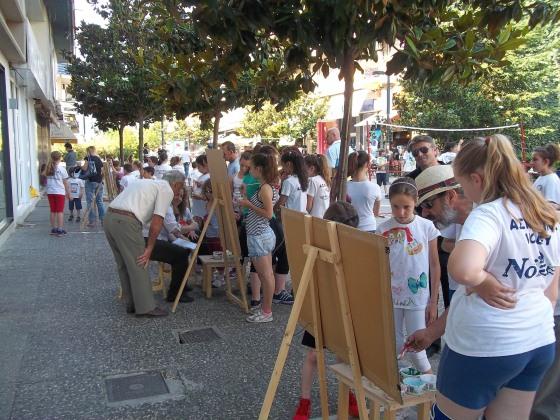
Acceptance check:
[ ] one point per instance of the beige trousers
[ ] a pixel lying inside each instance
(124, 235)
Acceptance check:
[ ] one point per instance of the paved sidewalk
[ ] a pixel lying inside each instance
(64, 333)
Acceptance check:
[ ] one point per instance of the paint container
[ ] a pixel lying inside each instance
(414, 385)
(409, 372)
(217, 255)
(429, 381)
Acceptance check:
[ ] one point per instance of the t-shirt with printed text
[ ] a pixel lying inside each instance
(319, 190)
(518, 258)
(297, 199)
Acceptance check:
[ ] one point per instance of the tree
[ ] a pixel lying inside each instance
(98, 84)
(524, 90)
(111, 78)
(434, 41)
(297, 120)
(199, 74)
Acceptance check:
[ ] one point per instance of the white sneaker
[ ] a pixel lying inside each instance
(259, 317)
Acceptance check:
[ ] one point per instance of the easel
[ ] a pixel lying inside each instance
(91, 207)
(309, 281)
(111, 183)
(229, 238)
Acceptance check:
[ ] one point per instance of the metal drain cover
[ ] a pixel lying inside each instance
(135, 386)
(201, 335)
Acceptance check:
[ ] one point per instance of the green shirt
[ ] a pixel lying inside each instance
(251, 187)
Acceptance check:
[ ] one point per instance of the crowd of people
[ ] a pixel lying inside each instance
(468, 222)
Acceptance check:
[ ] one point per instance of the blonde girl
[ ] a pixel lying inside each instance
(494, 359)
(57, 192)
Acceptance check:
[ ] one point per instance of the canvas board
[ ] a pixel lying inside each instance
(368, 284)
(219, 177)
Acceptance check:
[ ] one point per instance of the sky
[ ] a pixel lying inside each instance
(84, 12)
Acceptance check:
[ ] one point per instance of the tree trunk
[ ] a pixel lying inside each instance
(217, 118)
(342, 174)
(121, 143)
(141, 137)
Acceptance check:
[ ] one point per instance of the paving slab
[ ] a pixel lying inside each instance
(64, 332)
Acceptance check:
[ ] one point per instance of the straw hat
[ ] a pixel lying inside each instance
(435, 180)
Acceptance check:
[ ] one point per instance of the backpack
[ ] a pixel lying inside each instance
(91, 170)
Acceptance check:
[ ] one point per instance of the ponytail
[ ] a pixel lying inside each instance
(356, 161)
(550, 152)
(296, 159)
(267, 163)
(51, 165)
(493, 158)
(321, 165)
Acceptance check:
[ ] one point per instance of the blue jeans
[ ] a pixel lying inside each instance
(91, 187)
(186, 166)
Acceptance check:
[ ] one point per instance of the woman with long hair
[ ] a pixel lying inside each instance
(294, 186)
(494, 359)
(318, 192)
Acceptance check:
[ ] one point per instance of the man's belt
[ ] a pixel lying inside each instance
(124, 213)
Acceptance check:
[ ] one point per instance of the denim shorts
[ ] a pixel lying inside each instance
(261, 245)
(473, 382)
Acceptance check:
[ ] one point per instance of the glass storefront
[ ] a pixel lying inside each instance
(5, 184)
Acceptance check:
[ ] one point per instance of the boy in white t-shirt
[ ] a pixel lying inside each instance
(76, 187)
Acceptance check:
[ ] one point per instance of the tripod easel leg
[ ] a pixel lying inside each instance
(306, 280)
(194, 255)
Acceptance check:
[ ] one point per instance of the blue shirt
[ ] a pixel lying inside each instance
(333, 154)
(233, 168)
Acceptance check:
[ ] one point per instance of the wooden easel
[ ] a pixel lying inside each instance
(229, 238)
(110, 181)
(310, 281)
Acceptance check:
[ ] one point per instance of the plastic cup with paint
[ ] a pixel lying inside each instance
(414, 385)
(217, 255)
(409, 372)
(429, 380)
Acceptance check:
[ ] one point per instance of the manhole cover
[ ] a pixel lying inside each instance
(135, 386)
(201, 335)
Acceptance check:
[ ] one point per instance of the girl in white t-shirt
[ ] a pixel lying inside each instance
(163, 166)
(319, 189)
(364, 195)
(294, 187)
(57, 191)
(414, 262)
(198, 199)
(548, 183)
(494, 359)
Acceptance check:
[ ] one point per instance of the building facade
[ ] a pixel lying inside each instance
(33, 37)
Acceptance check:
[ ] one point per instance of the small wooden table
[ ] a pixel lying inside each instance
(378, 398)
(208, 264)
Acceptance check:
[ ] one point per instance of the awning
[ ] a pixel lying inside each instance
(62, 133)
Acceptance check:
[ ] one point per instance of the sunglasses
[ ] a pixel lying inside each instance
(423, 150)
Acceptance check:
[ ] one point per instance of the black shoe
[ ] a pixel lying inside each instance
(184, 299)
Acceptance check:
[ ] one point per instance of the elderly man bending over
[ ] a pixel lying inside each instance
(142, 202)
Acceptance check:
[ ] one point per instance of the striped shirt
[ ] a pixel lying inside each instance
(255, 223)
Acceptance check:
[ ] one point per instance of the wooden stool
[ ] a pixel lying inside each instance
(159, 284)
(378, 398)
(208, 264)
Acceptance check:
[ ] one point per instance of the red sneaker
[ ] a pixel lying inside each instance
(304, 410)
(353, 409)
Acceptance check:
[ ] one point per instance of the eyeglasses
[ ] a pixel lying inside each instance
(423, 150)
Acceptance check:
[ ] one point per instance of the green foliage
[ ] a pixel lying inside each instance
(526, 90)
(297, 120)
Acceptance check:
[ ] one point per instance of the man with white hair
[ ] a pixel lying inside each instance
(333, 151)
(141, 203)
